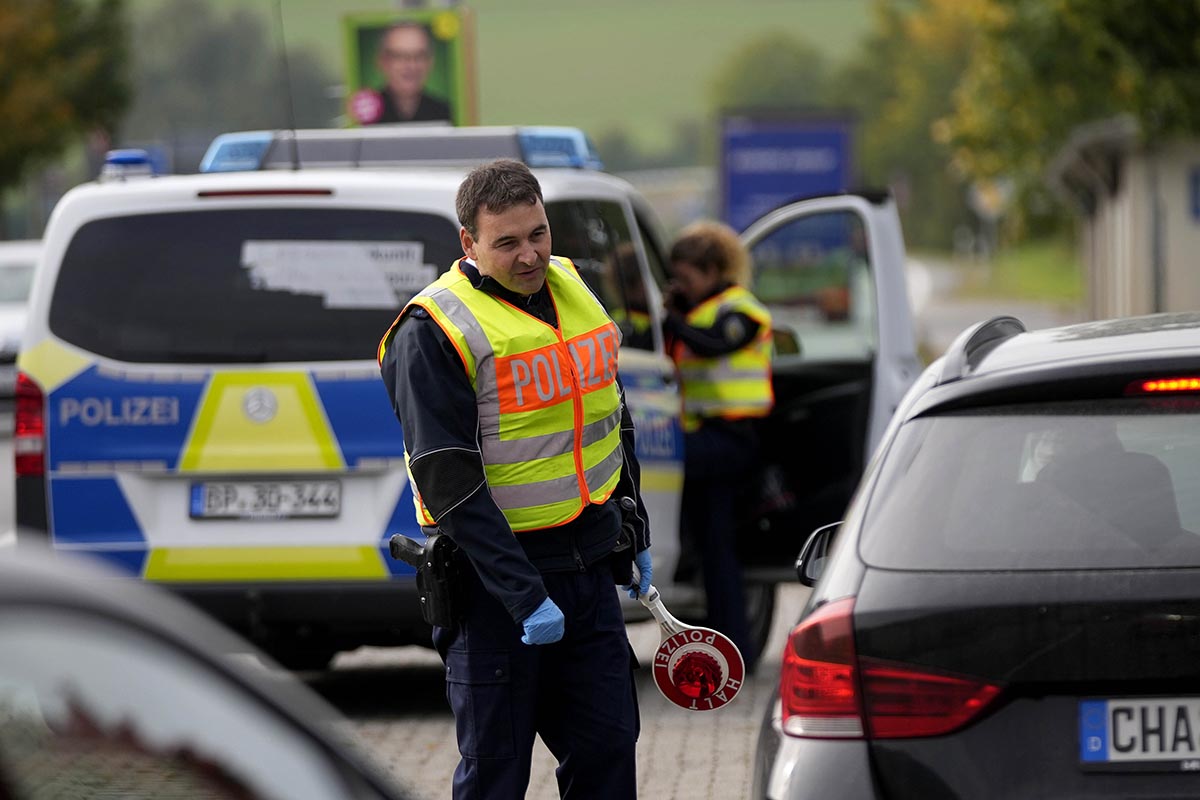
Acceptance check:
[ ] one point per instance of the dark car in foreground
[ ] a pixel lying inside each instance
(1011, 606)
(115, 689)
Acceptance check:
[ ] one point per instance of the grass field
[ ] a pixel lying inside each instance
(641, 66)
(1046, 270)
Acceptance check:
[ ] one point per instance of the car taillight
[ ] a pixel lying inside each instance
(826, 691)
(818, 685)
(903, 702)
(29, 430)
(1182, 383)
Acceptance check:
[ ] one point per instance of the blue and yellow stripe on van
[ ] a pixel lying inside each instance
(117, 437)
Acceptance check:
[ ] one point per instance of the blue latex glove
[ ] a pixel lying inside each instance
(642, 562)
(544, 625)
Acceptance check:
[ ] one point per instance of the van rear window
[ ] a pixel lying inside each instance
(239, 286)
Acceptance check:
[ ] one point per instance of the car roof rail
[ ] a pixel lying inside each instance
(401, 145)
(972, 346)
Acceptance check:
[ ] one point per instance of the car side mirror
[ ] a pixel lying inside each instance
(811, 561)
(785, 341)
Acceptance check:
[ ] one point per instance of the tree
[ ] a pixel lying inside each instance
(220, 73)
(1045, 66)
(62, 74)
(774, 71)
(899, 82)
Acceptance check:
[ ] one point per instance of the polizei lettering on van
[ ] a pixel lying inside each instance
(96, 411)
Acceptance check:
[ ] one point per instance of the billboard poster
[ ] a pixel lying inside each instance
(768, 161)
(410, 65)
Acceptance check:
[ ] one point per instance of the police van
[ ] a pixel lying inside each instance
(198, 401)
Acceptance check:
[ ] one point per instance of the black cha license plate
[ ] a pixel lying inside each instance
(1143, 734)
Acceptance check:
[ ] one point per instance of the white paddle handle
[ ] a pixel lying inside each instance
(653, 602)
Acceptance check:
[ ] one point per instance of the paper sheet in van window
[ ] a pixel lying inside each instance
(343, 274)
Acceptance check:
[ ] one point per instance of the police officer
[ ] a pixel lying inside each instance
(503, 373)
(719, 336)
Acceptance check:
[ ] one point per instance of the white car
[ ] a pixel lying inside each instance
(18, 260)
(199, 401)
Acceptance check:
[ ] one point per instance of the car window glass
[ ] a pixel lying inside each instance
(89, 709)
(814, 273)
(15, 282)
(1068, 485)
(239, 287)
(654, 255)
(595, 236)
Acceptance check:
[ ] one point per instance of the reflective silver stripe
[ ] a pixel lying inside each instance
(598, 475)
(555, 490)
(487, 392)
(517, 451)
(597, 430)
(722, 371)
(696, 406)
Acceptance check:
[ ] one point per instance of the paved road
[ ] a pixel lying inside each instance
(395, 699)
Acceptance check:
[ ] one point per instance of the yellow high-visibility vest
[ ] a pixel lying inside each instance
(549, 409)
(733, 386)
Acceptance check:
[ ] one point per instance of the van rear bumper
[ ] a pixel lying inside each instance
(344, 614)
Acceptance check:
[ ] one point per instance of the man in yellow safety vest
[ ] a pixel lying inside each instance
(503, 374)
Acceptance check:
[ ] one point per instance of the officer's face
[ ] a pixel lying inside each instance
(695, 282)
(512, 247)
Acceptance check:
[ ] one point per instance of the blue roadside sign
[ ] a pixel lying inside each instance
(769, 161)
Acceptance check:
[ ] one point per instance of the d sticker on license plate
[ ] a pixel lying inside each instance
(1158, 734)
(265, 499)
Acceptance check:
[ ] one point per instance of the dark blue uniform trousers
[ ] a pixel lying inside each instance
(717, 459)
(577, 694)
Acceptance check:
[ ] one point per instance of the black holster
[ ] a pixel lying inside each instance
(439, 582)
(622, 555)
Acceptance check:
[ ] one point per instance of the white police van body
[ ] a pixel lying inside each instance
(199, 404)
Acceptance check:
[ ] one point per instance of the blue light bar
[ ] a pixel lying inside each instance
(126, 163)
(546, 146)
(237, 152)
(385, 146)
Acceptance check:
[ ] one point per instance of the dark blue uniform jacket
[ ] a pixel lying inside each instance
(434, 401)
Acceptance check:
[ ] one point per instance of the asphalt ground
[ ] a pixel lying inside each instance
(682, 755)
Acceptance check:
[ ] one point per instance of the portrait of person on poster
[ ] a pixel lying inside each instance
(408, 68)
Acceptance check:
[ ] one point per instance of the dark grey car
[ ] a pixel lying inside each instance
(1011, 608)
(115, 689)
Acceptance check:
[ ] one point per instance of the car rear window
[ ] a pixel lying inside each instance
(245, 286)
(1098, 484)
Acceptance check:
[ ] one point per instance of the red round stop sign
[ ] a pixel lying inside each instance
(699, 669)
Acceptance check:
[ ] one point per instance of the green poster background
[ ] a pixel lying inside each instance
(452, 37)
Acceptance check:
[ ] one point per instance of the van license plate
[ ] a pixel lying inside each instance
(265, 499)
(1159, 734)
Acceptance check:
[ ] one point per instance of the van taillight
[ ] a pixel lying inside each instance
(29, 428)
(826, 691)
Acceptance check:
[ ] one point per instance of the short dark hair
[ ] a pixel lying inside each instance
(498, 185)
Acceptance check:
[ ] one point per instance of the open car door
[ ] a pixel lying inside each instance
(831, 271)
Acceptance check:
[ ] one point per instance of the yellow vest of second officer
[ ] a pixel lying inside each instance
(549, 410)
(735, 385)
